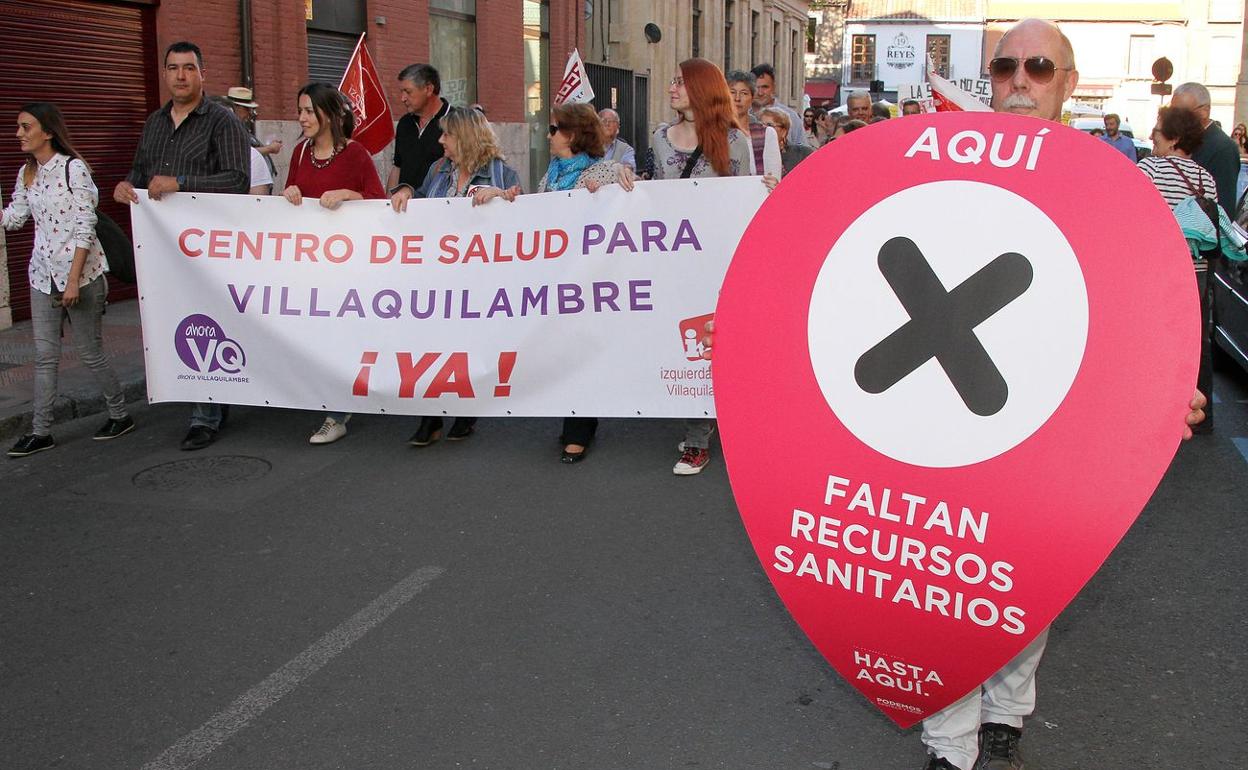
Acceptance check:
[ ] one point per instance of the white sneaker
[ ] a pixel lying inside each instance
(330, 431)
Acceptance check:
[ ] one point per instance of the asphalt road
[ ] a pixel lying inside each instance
(267, 604)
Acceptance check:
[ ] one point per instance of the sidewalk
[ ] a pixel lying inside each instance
(77, 393)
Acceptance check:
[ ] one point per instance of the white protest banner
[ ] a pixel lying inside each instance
(555, 304)
(979, 88)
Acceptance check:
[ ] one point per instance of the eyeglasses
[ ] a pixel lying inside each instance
(554, 129)
(1039, 68)
(678, 81)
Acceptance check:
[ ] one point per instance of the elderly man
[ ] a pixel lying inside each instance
(416, 137)
(1033, 72)
(616, 148)
(858, 106)
(1217, 152)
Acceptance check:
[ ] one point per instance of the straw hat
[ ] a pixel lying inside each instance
(241, 96)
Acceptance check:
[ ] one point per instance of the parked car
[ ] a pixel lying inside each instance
(1230, 303)
(1142, 148)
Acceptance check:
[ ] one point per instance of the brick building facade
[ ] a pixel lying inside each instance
(507, 53)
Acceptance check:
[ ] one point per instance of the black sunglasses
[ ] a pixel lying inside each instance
(554, 129)
(1039, 68)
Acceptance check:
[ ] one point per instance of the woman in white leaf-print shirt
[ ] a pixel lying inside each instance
(67, 267)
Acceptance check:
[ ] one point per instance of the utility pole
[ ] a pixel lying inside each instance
(1241, 86)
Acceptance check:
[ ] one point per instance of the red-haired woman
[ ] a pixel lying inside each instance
(704, 141)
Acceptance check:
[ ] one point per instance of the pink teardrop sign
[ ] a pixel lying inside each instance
(949, 374)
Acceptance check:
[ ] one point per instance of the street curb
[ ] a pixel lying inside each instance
(71, 406)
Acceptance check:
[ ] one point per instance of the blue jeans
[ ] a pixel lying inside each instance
(206, 415)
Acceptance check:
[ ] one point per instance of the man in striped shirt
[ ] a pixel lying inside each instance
(189, 145)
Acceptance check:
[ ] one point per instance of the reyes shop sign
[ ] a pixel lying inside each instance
(968, 346)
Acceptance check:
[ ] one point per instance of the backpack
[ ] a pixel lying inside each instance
(1209, 207)
(118, 250)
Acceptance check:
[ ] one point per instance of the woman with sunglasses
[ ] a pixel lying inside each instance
(472, 166)
(328, 166)
(1176, 137)
(66, 270)
(577, 146)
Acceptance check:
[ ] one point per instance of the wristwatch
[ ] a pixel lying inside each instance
(181, 182)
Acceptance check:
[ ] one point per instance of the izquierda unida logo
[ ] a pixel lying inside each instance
(205, 349)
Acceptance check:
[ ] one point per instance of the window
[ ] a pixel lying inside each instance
(753, 36)
(862, 59)
(775, 43)
(1140, 57)
(1226, 10)
(811, 27)
(1222, 66)
(696, 33)
(795, 53)
(537, 86)
(938, 52)
(453, 48)
(729, 12)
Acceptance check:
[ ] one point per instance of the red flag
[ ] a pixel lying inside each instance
(374, 128)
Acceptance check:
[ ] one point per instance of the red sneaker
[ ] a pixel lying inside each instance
(692, 461)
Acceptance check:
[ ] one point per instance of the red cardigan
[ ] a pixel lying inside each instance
(351, 169)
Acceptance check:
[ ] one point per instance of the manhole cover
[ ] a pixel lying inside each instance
(203, 472)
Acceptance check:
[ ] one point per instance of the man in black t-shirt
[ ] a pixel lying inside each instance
(416, 146)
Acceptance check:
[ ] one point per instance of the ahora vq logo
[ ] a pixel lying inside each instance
(204, 347)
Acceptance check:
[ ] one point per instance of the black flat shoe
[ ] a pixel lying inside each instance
(198, 437)
(570, 458)
(428, 432)
(461, 429)
(30, 443)
(114, 428)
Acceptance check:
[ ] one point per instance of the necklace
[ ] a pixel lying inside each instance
(317, 163)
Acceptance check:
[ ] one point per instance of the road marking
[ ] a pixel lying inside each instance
(209, 736)
(1242, 445)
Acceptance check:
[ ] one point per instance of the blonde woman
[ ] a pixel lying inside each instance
(472, 167)
(790, 154)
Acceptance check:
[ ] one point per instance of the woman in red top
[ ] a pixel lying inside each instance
(328, 166)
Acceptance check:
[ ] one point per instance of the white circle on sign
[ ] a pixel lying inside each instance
(1036, 341)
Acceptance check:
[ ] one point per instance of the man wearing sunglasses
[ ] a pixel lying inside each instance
(1033, 73)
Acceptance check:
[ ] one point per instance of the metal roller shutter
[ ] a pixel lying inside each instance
(328, 55)
(97, 62)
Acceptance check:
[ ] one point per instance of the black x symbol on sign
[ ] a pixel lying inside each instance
(942, 325)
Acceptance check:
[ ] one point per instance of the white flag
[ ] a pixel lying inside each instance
(575, 86)
(948, 97)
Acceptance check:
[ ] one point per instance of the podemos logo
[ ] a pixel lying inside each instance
(202, 345)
